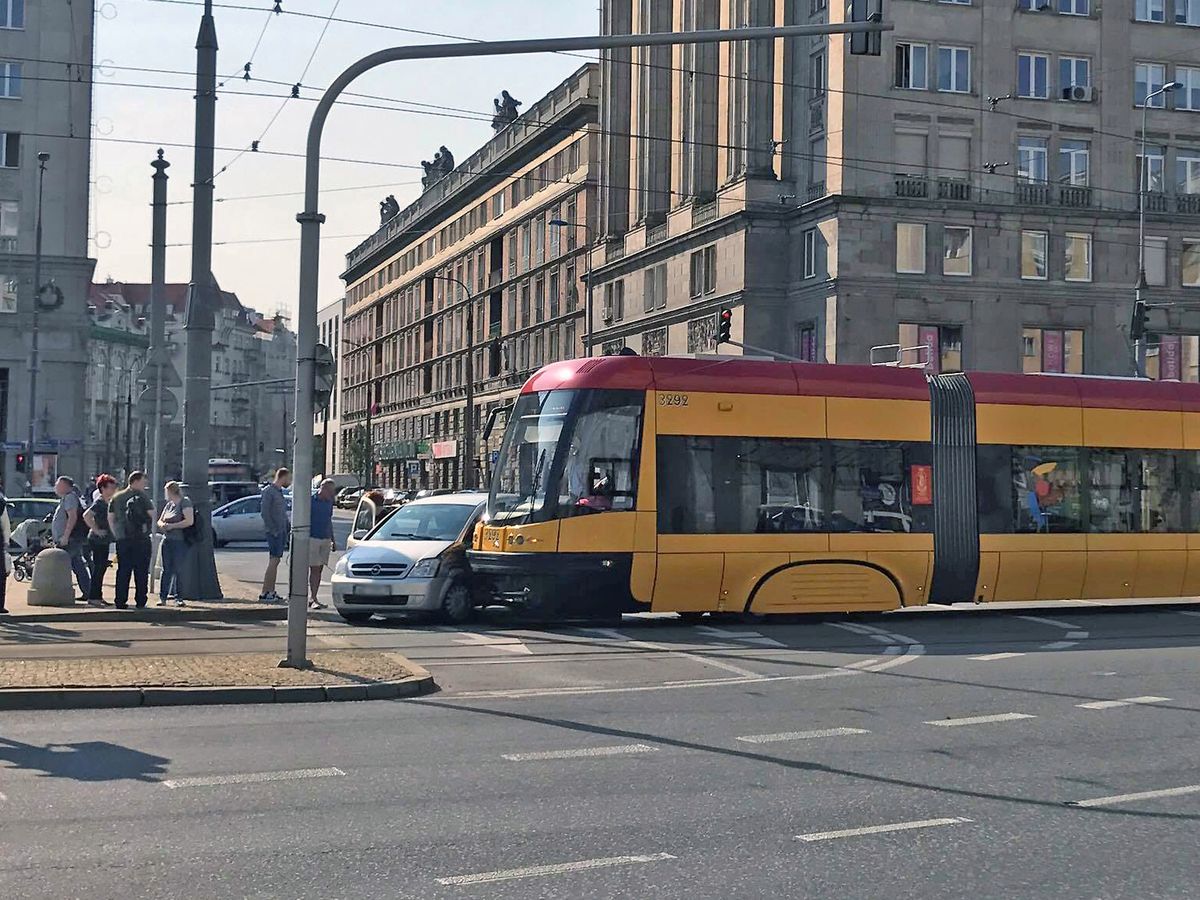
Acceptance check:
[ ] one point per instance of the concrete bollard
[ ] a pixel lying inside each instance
(52, 584)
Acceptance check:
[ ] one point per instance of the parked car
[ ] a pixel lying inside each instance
(413, 561)
(347, 498)
(241, 520)
(373, 507)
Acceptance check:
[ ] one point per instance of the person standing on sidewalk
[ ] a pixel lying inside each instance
(68, 531)
(100, 536)
(130, 519)
(320, 540)
(177, 515)
(5, 559)
(277, 526)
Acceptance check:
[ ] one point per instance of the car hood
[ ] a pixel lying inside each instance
(395, 551)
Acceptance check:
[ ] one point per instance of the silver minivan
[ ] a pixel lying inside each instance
(413, 561)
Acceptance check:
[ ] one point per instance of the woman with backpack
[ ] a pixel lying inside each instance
(100, 536)
(176, 521)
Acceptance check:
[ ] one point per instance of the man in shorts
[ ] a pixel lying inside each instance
(277, 526)
(321, 542)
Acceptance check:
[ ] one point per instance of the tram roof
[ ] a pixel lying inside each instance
(739, 375)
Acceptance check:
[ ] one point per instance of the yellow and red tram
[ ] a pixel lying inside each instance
(702, 485)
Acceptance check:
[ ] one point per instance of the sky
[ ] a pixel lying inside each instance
(256, 252)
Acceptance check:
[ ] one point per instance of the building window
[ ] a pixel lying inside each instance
(1187, 12)
(1188, 97)
(1031, 160)
(525, 305)
(956, 259)
(10, 79)
(1148, 78)
(1074, 7)
(1033, 254)
(954, 69)
(810, 253)
(555, 305)
(806, 346)
(526, 246)
(912, 66)
(8, 297)
(12, 13)
(539, 300)
(1149, 10)
(614, 301)
(1074, 163)
(1173, 357)
(539, 238)
(817, 69)
(1155, 256)
(1033, 75)
(1078, 257)
(655, 284)
(935, 348)
(1073, 72)
(497, 205)
(1189, 262)
(1149, 171)
(1187, 172)
(910, 248)
(10, 149)
(1052, 350)
(704, 271)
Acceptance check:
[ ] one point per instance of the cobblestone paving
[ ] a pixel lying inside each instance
(203, 670)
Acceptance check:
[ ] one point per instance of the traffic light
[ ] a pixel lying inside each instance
(866, 43)
(324, 374)
(1137, 325)
(724, 323)
(21, 462)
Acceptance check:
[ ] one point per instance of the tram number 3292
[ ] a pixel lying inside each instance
(672, 399)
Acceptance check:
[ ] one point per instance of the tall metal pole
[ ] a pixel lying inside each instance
(469, 373)
(1139, 347)
(158, 300)
(129, 422)
(43, 158)
(199, 578)
(310, 236)
(588, 302)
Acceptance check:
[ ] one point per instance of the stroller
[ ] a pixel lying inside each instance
(31, 537)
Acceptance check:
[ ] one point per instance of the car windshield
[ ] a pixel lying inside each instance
(567, 453)
(425, 522)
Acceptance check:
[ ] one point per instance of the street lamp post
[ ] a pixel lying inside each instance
(43, 158)
(1138, 302)
(469, 373)
(311, 219)
(587, 303)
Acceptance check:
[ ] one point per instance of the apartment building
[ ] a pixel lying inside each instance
(474, 278)
(327, 423)
(967, 199)
(45, 107)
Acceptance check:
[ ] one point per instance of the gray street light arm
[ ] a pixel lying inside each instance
(310, 231)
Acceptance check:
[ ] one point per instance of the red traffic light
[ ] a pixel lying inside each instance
(724, 325)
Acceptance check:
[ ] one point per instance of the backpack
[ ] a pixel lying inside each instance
(136, 516)
(81, 531)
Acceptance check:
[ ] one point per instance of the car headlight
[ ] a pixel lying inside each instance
(426, 568)
(342, 565)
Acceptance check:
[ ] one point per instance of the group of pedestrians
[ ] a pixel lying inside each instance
(277, 525)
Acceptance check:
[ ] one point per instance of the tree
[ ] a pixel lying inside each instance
(357, 456)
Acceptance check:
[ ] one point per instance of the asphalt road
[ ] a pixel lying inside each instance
(1044, 753)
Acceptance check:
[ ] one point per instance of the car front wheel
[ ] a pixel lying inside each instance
(356, 618)
(458, 605)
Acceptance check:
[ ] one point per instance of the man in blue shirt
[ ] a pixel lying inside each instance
(320, 539)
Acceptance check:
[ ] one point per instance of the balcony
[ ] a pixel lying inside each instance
(911, 186)
(656, 233)
(1156, 202)
(615, 249)
(1033, 194)
(816, 116)
(953, 189)
(816, 190)
(703, 211)
(8, 245)
(1189, 204)
(1077, 197)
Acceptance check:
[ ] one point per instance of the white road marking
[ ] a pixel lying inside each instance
(621, 750)
(742, 637)
(615, 635)
(1059, 645)
(1128, 701)
(1075, 635)
(1141, 795)
(1185, 612)
(1053, 623)
(988, 657)
(980, 720)
(800, 735)
(556, 869)
(880, 829)
(250, 778)
(508, 644)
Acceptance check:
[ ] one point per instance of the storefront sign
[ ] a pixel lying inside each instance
(45, 472)
(921, 482)
(1169, 368)
(1052, 351)
(445, 449)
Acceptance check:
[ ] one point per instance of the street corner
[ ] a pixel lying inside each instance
(202, 679)
(231, 608)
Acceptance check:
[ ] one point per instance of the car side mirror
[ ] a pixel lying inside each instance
(360, 535)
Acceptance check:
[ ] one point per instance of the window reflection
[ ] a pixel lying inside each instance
(1046, 489)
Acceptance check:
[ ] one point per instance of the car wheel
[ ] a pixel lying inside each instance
(356, 618)
(458, 605)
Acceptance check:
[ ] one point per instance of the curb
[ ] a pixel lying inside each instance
(421, 682)
(172, 614)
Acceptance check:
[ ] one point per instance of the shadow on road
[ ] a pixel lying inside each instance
(83, 761)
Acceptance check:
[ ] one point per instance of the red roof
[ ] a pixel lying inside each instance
(738, 375)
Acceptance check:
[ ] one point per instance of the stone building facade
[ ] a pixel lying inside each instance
(45, 107)
(327, 424)
(967, 199)
(476, 247)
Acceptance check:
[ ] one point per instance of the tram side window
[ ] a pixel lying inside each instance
(1112, 491)
(1046, 489)
(686, 491)
(779, 487)
(1160, 506)
(870, 490)
(1136, 490)
(994, 486)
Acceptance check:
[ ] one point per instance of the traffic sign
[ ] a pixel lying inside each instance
(146, 404)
